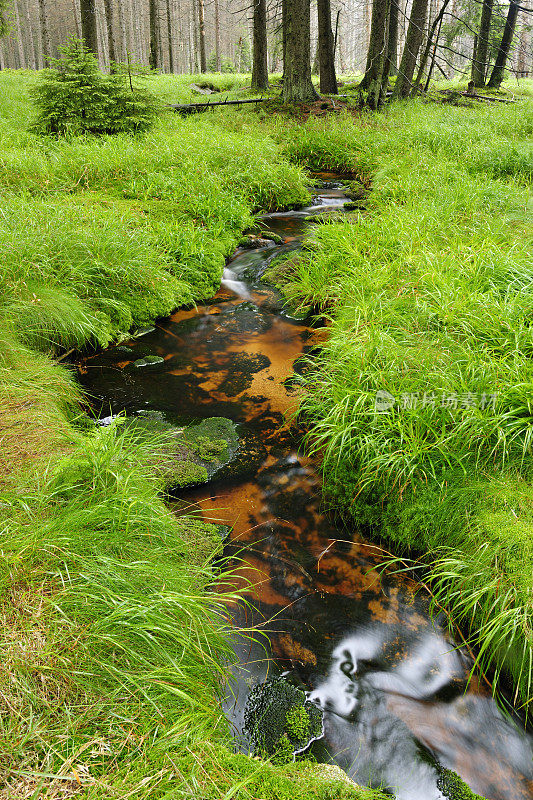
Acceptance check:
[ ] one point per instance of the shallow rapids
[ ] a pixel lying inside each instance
(393, 686)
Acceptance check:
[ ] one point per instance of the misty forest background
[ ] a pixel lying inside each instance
(187, 36)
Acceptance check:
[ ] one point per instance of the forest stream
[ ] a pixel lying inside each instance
(392, 683)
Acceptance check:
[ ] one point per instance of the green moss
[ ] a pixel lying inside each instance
(454, 788)
(298, 723)
(209, 449)
(185, 473)
(279, 720)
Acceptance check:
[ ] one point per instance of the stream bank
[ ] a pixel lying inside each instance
(392, 685)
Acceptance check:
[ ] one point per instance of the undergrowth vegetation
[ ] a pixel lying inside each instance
(421, 402)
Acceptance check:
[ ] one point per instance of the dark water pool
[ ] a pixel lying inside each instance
(392, 684)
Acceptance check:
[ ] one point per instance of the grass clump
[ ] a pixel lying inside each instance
(102, 234)
(429, 296)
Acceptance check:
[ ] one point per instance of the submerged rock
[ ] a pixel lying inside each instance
(280, 721)
(148, 361)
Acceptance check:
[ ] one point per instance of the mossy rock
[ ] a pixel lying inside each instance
(213, 448)
(279, 720)
(454, 788)
(213, 441)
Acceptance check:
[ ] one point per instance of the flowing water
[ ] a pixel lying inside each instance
(392, 684)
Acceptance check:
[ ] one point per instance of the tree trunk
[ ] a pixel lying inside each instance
(31, 55)
(260, 62)
(297, 84)
(111, 40)
(432, 40)
(123, 30)
(89, 26)
(218, 61)
(170, 36)
(479, 62)
(154, 60)
(413, 42)
(498, 72)
(392, 51)
(45, 32)
(201, 32)
(328, 79)
(378, 46)
(20, 40)
(77, 17)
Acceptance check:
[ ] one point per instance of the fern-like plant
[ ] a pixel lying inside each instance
(74, 97)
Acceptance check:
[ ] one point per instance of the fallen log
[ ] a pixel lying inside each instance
(197, 108)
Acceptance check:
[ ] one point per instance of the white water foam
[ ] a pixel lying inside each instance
(229, 281)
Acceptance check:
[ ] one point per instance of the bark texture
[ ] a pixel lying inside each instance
(498, 71)
(201, 36)
(260, 62)
(479, 61)
(111, 39)
(392, 46)
(378, 42)
(89, 26)
(45, 31)
(297, 84)
(154, 59)
(413, 42)
(326, 49)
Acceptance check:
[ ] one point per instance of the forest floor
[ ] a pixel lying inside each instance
(108, 686)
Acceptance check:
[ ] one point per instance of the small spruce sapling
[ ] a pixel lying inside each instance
(75, 98)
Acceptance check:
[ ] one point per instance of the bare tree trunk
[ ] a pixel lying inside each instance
(498, 72)
(20, 40)
(392, 46)
(217, 37)
(170, 36)
(326, 49)
(297, 84)
(260, 63)
(45, 31)
(139, 29)
(479, 62)
(89, 25)
(436, 25)
(123, 30)
(32, 56)
(154, 59)
(201, 34)
(413, 41)
(111, 40)
(378, 43)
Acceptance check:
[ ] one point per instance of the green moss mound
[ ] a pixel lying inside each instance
(454, 788)
(280, 721)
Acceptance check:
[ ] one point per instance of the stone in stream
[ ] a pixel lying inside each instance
(148, 361)
(214, 448)
(280, 721)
